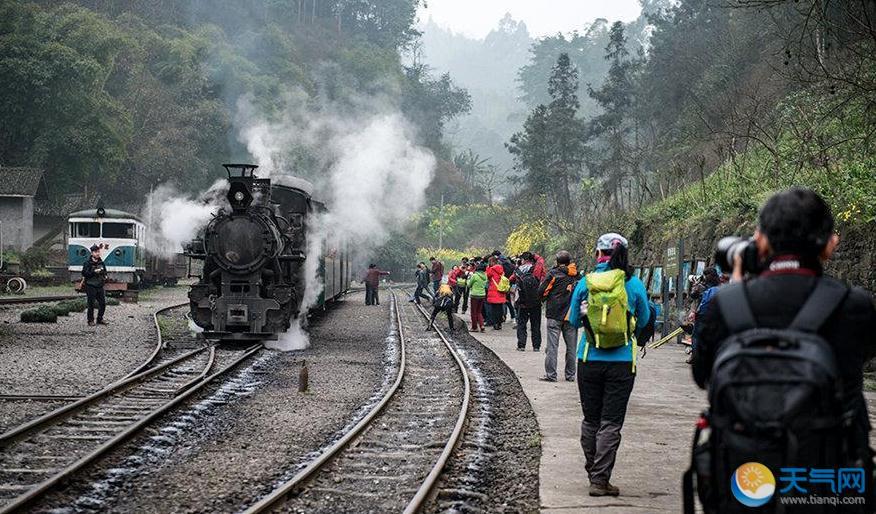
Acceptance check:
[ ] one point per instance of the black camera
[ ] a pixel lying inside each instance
(728, 248)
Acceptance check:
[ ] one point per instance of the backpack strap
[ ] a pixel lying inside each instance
(735, 308)
(820, 306)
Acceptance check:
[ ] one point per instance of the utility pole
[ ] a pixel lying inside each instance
(441, 224)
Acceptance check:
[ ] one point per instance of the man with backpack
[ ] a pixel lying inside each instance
(611, 305)
(556, 292)
(528, 303)
(782, 355)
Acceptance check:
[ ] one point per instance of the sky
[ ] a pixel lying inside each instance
(475, 18)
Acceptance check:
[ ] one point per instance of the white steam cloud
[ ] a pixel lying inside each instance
(371, 173)
(173, 218)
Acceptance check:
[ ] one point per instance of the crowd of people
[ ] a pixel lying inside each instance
(779, 345)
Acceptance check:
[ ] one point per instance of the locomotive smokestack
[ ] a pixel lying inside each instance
(240, 179)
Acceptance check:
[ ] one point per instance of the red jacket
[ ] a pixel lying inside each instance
(372, 277)
(538, 270)
(452, 276)
(494, 275)
(437, 270)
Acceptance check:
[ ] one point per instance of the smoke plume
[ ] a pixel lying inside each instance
(173, 218)
(366, 168)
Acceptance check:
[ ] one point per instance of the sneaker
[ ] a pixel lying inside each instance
(519, 349)
(545, 378)
(536, 349)
(483, 329)
(570, 379)
(603, 490)
(90, 323)
(474, 328)
(514, 324)
(102, 322)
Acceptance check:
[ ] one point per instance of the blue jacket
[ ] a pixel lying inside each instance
(701, 310)
(638, 301)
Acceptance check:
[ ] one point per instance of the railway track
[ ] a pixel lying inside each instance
(396, 453)
(41, 454)
(16, 300)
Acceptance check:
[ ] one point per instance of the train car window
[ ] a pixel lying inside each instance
(87, 229)
(118, 230)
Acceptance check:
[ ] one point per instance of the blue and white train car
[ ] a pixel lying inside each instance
(121, 237)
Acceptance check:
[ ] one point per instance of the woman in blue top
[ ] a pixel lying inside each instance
(606, 375)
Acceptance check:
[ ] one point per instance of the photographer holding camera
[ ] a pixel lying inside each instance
(782, 350)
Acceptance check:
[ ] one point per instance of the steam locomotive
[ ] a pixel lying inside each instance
(252, 284)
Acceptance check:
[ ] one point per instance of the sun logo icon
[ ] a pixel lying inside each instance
(753, 484)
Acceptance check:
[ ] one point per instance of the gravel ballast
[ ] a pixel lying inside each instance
(69, 358)
(235, 444)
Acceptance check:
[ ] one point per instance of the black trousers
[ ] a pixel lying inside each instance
(448, 310)
(420, 294)
(96, 295)
(371, 297)
(460, 292)
(604, 388)
(533, 316)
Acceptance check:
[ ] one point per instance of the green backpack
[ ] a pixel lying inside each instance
(607, 308)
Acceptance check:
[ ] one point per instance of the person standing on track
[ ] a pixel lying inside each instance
(437, 274)
(372, 283)
(443, 303)
(94, 277)
(422, 277)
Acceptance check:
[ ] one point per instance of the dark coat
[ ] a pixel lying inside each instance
(556, 292)
(422, 277)
(527, 287)
(94, 272)
(775, 300)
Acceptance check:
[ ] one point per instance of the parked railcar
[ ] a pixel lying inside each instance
(121, 237)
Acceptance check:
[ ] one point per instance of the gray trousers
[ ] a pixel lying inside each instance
(604, 388)
(570, 336)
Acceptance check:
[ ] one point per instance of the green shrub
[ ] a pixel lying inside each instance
(44, 314)
(77, 305)
(112, 301)
(42, 273)
(60, 310)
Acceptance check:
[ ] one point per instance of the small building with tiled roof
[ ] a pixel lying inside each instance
(18, 186)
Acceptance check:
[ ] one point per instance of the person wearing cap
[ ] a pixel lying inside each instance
(606, 375)
(94, 275)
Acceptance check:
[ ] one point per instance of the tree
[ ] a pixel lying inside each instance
(612, 129)
(549, 151)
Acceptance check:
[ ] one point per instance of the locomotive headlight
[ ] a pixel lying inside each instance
(239, 196)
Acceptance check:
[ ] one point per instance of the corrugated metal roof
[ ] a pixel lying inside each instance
(19, 181)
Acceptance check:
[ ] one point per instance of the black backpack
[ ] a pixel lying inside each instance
(527, 287)
(775, 398)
